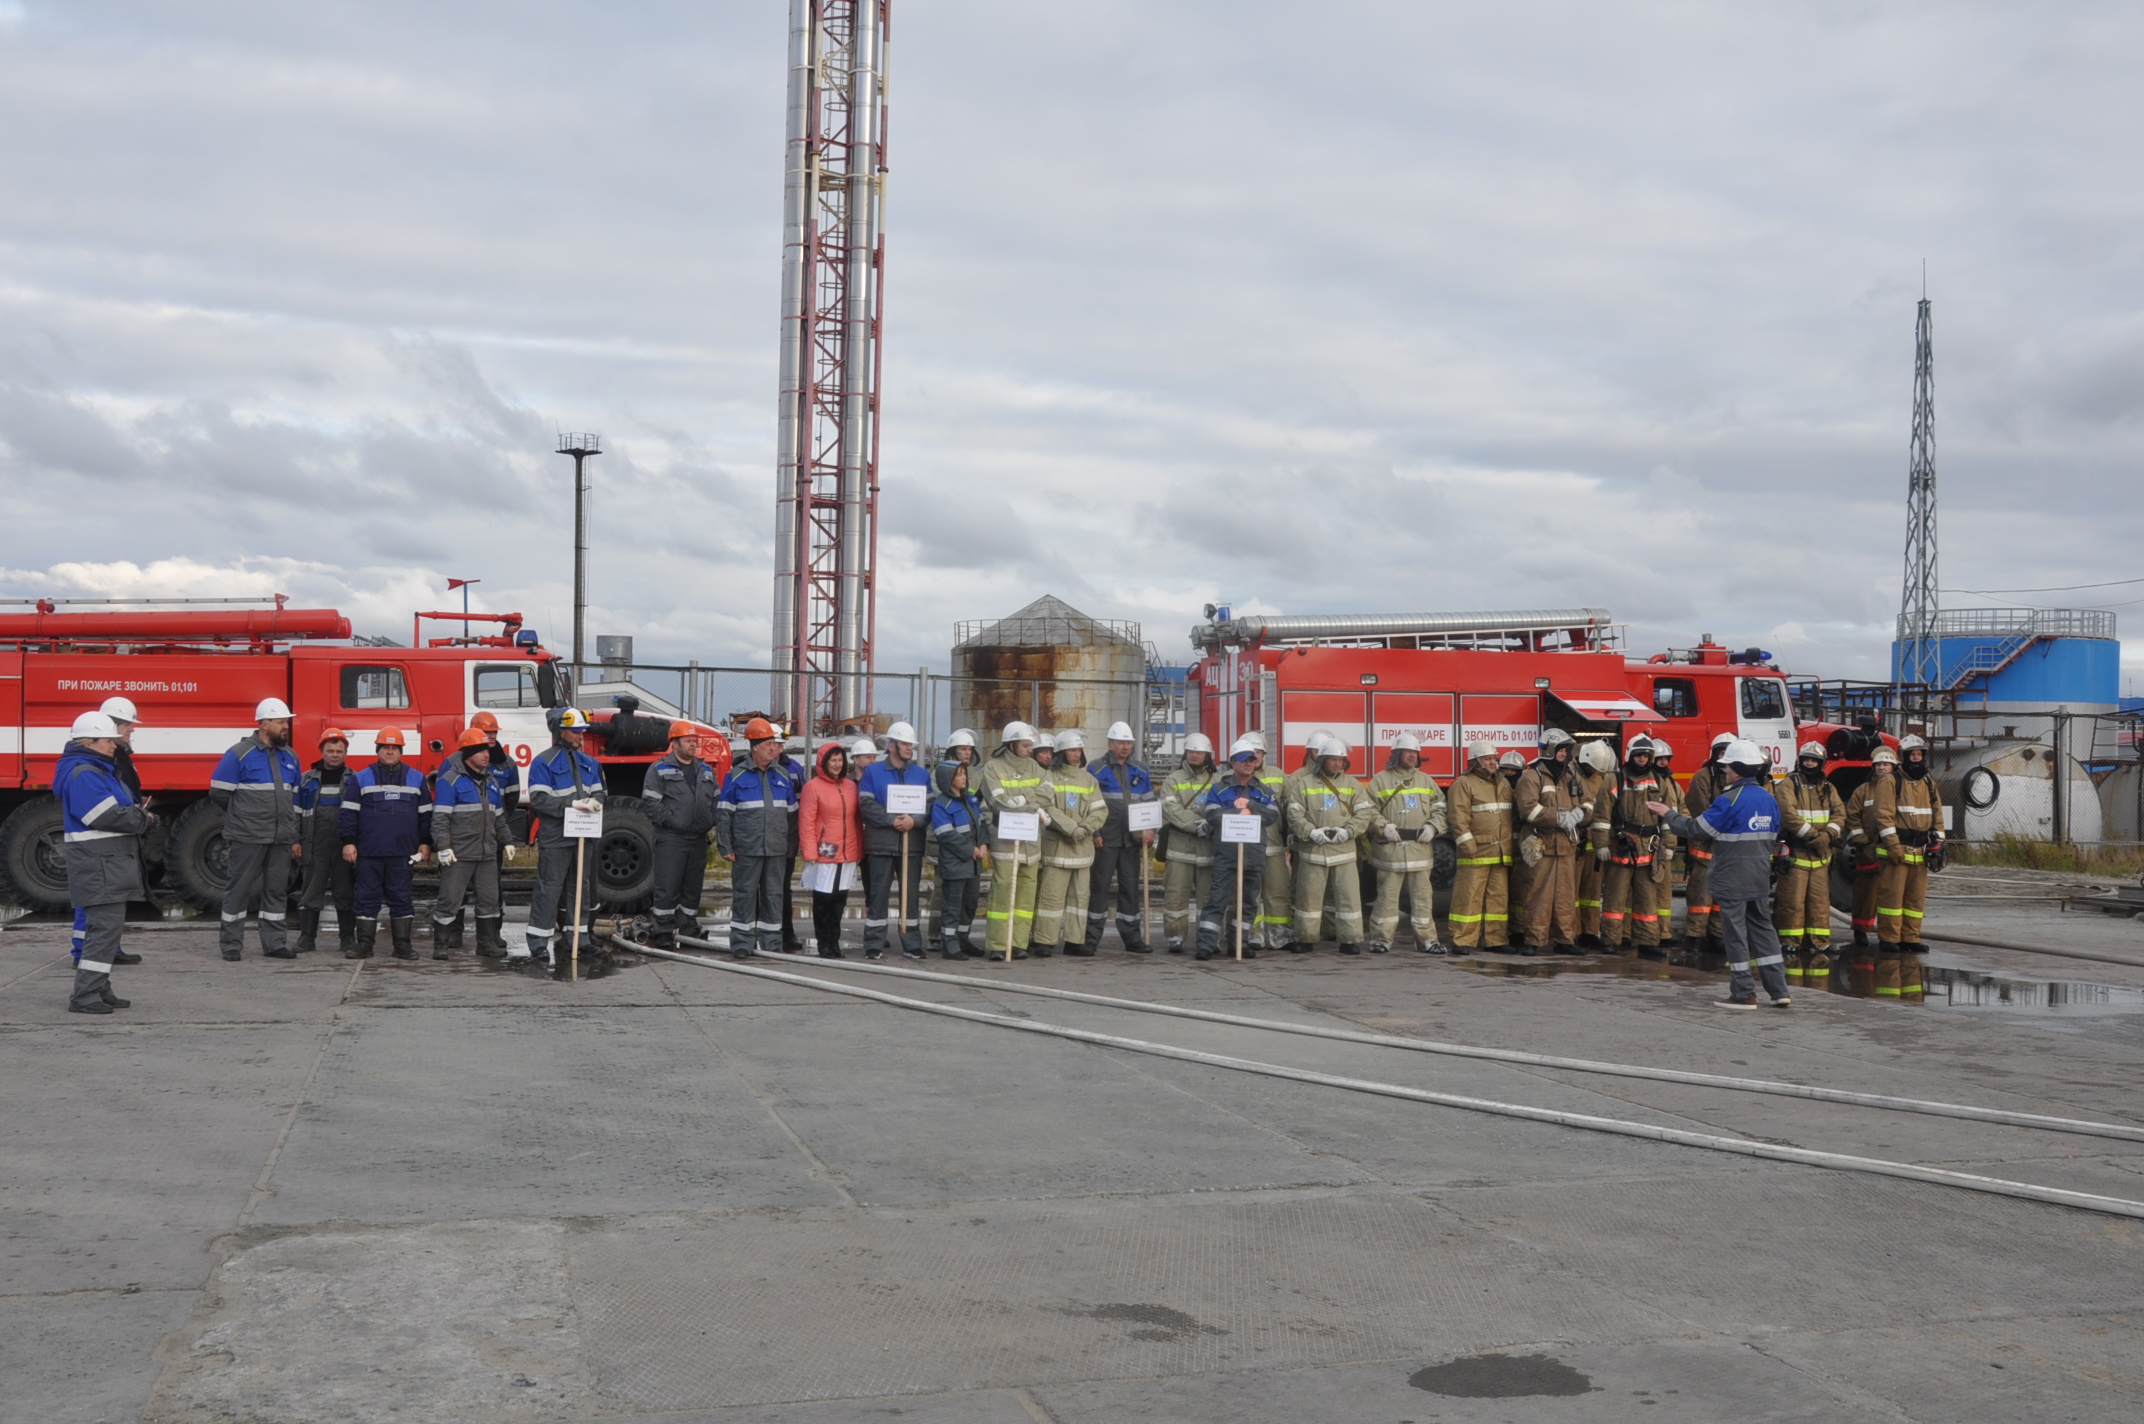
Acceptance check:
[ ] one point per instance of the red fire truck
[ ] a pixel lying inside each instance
(1453, 679)
(195, 676)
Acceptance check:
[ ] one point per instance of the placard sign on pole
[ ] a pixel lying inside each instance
(1144, 815)
(581, 827)
(908, 800)
(1242, 830)
(1024, 825)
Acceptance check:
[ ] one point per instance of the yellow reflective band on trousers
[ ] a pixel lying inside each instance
(1484, 860)
(1813, 864)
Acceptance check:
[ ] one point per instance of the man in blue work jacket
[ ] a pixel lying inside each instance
(884, 835)
(755, 823)
(1242, 793)
(101, 830)
(386, 819)
(1119, 849)
(1742, 826)
(561, 775)
(256, 784)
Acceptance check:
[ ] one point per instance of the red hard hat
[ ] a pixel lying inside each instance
(334, 734)
(484, 722)
(474, 738)
(388, 737)
(683, 729)
(759, 729)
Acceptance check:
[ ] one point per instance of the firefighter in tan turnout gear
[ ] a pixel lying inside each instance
(1550, 809)
(1862, 844)
(1812, 824)
(1701, 918)
(1638, 887)
(1077, 812)
(1596, 772)
(1012, 782)
(1478, 810)
(1327, 809)
(1407, 814)
(1187, 842)
(1909, 828)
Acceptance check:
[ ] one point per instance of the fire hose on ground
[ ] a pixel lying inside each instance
(2114, 1206)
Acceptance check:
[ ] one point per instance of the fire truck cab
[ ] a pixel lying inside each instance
(195, 678)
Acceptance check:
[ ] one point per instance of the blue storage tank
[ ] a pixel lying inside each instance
(2029, 659)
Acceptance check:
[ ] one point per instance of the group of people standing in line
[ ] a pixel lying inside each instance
(1578, 846)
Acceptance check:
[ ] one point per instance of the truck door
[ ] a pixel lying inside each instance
(1765, 719)
(1428, 715)
(1511, 721)
(508, 692)
(1344, 714)
(11, 717)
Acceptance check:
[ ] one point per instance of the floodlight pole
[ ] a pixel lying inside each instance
(580, 446)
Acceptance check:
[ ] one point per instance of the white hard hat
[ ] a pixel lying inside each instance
(1741, 753)
(1480, 751)
(120, 710)
(1722, 740)
(1244, 746)
(1017, 732)
(901, 732)
(1121, 732)
(1071, 738)
(1199, 742)
(863, 746)
(1045, 742)
(1406, 742)
(1597, 756)
(91, 726)
(1314, 744)
(961, 737)
(270, 708)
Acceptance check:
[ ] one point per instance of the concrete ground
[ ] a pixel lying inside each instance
(329, 1191)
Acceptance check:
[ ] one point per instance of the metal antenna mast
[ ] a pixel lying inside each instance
(580, 446)
(833, 261)
(1919, 651)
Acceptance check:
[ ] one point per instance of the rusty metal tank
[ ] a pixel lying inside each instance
(2007, 787)
(1052, 666)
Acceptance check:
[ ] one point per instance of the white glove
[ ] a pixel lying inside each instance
(588, 803)
(1335, 834)
(1601, 853)
(1569, 820)
(446, 857)
(1015, 802)
(1392, 832)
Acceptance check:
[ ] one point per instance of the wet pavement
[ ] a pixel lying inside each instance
(332, 1190)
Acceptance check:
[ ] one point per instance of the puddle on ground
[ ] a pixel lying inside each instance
(1942, 985)
(1501, 1377)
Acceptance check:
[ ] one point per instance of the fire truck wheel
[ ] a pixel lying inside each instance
(33, 861)
(625, 857)
(195, 860)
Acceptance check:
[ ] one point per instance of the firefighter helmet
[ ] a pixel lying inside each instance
(1017, 732)
(1511, 759)
(1198, 742)
(1911, 743)
(1597, 756)
(1555, 737)
(1812, 749)
(1483, 751)
(1406, 742)
(1883, 756)
(1067, 740)
(961, 737)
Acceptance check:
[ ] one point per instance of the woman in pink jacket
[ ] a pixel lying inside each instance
(831, 833)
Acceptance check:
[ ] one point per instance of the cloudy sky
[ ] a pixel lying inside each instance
(1314, 308)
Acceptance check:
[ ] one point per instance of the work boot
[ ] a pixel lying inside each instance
(361, 947)
(1203, 955)
(402, 928)
(1044, 951)
(1652, 951)
(689, 928)
(122, 957)
(93, 1006)
(1175, 946)
(1138, 947)
(346, 932)
(1589, 942)
(1351, 949)
(1376, 948)
(104, 991)
(447, 936)
(308, 931)
(663, 937)
(1567, 949)
(286, 952)
(950, 946)
(1861, 939)
(490, 944)
(1911, 946)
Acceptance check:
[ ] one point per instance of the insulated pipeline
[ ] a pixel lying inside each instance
(2123, 1131)
(1711, 1142)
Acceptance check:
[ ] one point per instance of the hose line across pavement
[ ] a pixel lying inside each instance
(1744, 1147)
(2125, 1132)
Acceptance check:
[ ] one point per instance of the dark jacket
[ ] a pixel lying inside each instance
(757, 811)
(1741, 827)
(679, 798)
(257, 787)
(101, 828)
(956, 826)
(320, 807)
(468, 813)
(880, 838)
(1121, 785)
(386, 811)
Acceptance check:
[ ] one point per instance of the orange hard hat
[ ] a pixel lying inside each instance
(388, 737)
(683, 729)
(484, 722)
(334, 734)
(474, 738)
(759, 729)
